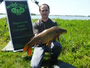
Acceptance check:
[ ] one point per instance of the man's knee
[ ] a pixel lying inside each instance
(58, 45)
(56, 49)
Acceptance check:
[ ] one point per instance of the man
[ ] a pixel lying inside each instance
(39, 51)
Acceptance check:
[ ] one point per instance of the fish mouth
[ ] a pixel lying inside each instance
(64, 31)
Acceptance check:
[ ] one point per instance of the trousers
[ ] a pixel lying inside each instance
(39, 52)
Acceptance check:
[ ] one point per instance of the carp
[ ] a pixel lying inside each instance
(46, 37)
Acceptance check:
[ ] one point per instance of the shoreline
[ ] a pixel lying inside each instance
(65, 17)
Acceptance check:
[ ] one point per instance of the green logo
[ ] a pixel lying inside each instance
(17, 8)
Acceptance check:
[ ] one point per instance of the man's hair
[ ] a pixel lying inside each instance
(46, 5)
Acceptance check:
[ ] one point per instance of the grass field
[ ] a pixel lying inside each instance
(76, 45)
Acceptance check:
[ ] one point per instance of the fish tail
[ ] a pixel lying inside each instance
(29, 51)
(25, 48)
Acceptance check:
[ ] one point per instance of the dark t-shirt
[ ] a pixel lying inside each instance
(39, 26)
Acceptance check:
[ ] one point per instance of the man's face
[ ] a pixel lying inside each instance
(44, 11)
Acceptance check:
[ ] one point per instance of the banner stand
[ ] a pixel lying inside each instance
(8, 47)
(19, 23)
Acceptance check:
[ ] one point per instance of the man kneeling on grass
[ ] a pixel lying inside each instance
(39, 51)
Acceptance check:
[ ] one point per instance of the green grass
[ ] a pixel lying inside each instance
(75, 51)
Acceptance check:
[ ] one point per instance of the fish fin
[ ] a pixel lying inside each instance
(25, 48)
(29, 51)
(48, 44)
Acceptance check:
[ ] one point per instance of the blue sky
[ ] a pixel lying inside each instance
(60, 7)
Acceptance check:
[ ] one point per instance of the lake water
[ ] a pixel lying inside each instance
(61, 17)
(65, 17)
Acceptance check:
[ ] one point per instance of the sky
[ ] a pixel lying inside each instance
(59, 7)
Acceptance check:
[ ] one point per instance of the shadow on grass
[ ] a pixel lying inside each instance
(59, 63)
(46, 63)
(27, 58)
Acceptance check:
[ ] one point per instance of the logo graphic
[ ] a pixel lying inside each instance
(17, 8)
